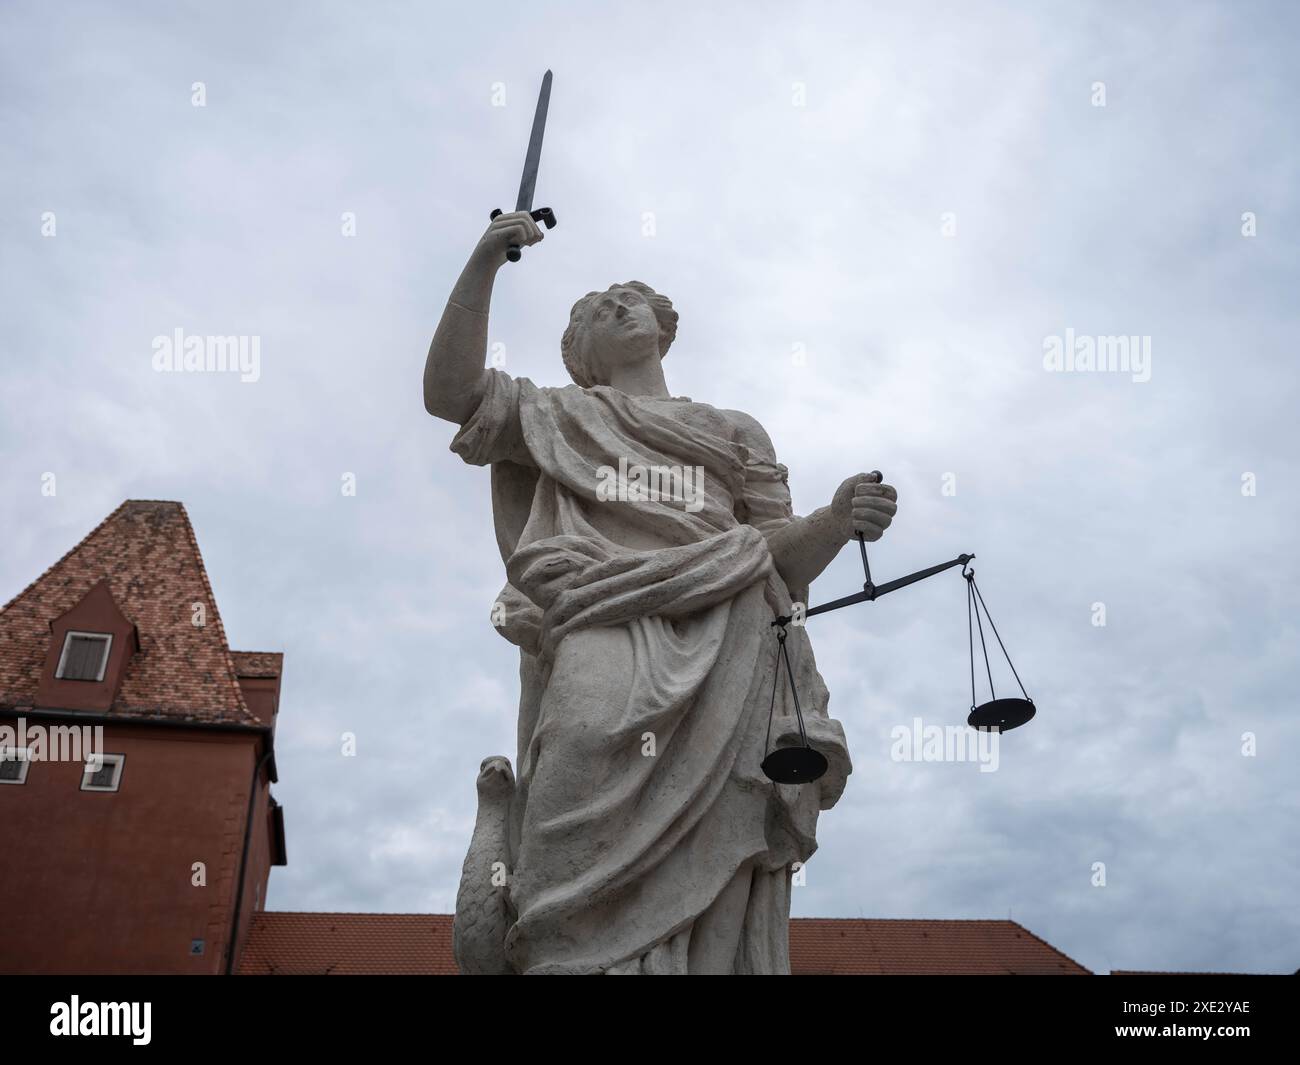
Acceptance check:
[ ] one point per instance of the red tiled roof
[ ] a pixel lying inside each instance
(147, 552)
(824, 945)
(349, 944)
(258, 663)
(361, 943)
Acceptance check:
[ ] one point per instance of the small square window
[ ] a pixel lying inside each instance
(14, 763)
(103, 773)
(84, 657)
(196, 948)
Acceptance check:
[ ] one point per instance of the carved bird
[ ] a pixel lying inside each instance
(483, 909)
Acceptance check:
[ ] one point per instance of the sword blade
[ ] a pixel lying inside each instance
(529, 181)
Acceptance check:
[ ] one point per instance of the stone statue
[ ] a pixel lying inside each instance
(648, 542)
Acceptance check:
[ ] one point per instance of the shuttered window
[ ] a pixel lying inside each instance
(84, 656)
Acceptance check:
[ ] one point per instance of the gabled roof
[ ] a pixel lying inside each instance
(360, 943)
(147, 552)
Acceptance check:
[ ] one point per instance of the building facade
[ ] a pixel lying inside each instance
(136, 761)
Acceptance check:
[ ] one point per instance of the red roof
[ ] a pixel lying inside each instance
(349, 944)
(420, 944)
(147, 552)
(842, 946)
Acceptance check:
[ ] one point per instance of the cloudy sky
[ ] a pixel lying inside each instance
(872, 218)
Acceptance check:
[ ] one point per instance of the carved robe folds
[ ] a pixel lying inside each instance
(644, 625)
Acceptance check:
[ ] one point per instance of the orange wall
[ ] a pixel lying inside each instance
(95, 882)
(258, 870)
(262, 694)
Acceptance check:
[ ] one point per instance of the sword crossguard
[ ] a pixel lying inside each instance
(543, 214)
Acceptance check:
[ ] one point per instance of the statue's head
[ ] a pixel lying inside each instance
(618, 325)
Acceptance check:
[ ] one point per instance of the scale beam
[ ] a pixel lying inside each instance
(871, 592)
(801, 764)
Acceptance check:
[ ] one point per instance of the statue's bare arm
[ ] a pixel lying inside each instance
(804, 547)
(454, 372)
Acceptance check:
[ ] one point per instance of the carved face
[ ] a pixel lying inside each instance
(620, 325)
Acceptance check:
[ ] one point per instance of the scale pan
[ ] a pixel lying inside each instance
(1001, 714)
(794, 765)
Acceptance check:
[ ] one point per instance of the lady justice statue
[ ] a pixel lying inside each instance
(640, 835)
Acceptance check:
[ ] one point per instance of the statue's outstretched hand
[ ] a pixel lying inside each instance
(516, 227)
(863, 505)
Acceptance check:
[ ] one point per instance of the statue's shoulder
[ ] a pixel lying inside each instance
(749, 431)
(527, 387)
(570, 392)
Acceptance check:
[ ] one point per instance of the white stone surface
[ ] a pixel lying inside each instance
(648, 541)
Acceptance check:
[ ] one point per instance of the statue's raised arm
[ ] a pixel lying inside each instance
(454, 372)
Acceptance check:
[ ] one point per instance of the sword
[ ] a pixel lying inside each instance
(529, 180)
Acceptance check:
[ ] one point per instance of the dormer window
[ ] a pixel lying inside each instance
(92, 645)
(84, 657)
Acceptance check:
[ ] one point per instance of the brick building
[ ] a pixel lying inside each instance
(151, 853)
(154, 858)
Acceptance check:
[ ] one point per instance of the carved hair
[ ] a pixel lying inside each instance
(571, 349)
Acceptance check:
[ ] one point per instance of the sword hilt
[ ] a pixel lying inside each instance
(543, 214)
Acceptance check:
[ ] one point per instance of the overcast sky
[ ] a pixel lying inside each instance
(871, 219)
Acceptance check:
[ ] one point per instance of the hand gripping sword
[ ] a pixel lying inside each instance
(529, 181)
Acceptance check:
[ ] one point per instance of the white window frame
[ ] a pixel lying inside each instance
(24, 759)
(95, 764)
(107, 637)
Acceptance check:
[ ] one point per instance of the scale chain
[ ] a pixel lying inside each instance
(999, 638)
(983, 646)
(783, 657)
(970, 639)
(798, 711)
(776, 680)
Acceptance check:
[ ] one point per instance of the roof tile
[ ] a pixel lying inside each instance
(360, 943)
(147, 552)
(968, 947)
(349, 944)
